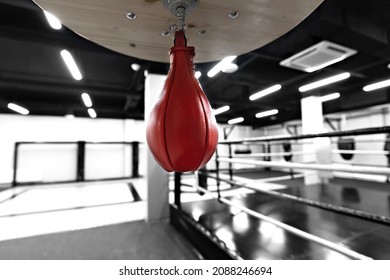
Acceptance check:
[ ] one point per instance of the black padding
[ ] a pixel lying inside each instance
(242, 151)
(287, 149)
(202, 178)
(350, 195)
(346, 144)
(387, 146)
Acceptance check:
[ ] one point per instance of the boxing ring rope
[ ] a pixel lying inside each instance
(283, 139)
(314, 166)
(361, 152)
(273, 154)
(362, 131)
(331, 245)
(297, 153)
(310, 202)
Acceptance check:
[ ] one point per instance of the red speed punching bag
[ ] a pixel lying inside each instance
(182, 132)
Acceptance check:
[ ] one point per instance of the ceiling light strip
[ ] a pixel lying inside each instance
(324, 82)
(71, 64)
(53, 21)
(265, 92)
(86, 99)
(236, 120)
(221, 110)
(92, 113)
(198, 74)
(378, 85)
(18, 109)
(221, 65)
(267, 113)
(329, 97)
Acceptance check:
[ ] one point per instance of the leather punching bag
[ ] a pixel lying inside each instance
(182, 132)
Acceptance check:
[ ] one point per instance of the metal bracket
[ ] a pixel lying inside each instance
(180, 9)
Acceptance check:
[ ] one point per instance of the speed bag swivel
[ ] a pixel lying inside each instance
(182, 132)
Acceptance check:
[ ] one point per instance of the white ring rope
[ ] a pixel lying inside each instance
(314, 166)
(360, 152)
(274, 154)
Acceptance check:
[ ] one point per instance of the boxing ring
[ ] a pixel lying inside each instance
(224, 226)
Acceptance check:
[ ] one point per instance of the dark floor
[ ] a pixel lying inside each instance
(127, 241)
(254, 239)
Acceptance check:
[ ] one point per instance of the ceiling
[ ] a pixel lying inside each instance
(33, 75)
(107, 24)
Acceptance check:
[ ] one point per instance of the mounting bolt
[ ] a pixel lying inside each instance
(165, 33)
(202, 32)
(233, 14)
(131, 15)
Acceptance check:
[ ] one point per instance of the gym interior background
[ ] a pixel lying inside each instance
(314, 168)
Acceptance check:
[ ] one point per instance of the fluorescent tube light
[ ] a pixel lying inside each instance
(329, 97)
(53, 21)
(377, 85)
(267, 113)
(135, 67)
(71, 64)
(198, 74)
(265, 92)
(236, 120)
(86, 99)
(92, 113)
(221, 65)
(221, 110)
(18, 109)
(324, 82)
(229, 68)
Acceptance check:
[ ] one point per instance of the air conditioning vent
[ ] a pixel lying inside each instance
(318, 56)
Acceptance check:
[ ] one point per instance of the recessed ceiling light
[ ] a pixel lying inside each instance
(267, 113)
(71, 64)
(135, 66)
(221, 65)
(86, 99)
(198, 74)
(92, 113)
(377, 85)
(265, 92)
(53, 21)
(18, 109)
(330, 96)
(221, 110)
(236, 120)
(324, 82)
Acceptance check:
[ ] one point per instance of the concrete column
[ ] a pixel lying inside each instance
(312, 122)
(157, 179)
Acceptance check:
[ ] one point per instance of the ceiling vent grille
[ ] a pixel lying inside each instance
(318, 56)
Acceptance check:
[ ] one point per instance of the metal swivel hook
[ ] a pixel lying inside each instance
(181, 16)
